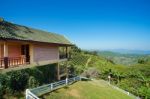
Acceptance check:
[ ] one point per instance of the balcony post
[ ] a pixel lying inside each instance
(67, 72)
(31, 53)
(66, 52)
(5, 62)
(58, 72)
(5, 55)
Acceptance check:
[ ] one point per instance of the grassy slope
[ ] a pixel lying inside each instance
(96, 89)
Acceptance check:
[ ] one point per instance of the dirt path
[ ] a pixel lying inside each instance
(87, 63)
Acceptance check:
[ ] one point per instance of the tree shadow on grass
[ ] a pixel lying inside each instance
(66, 87)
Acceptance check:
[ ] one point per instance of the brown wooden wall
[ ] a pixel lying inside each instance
(1, 50)
(14, 50)
(45, 52)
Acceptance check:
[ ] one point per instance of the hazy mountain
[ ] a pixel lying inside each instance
(125, 57)
(126, 51)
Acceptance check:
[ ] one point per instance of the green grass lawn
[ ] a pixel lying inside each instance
(97, 89)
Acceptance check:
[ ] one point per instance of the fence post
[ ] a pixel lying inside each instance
(66, 81)
(51, 86)
(79, 78)
(27, 93)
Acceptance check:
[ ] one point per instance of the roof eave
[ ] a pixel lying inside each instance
(11, 39)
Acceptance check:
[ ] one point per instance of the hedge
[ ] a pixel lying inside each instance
(19, 80)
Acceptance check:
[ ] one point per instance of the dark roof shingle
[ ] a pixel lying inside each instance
(13, 31)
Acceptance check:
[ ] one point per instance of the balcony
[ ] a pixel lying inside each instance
(63, 56)
(63, 53)
(10, 62)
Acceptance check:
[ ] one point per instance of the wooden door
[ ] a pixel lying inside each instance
(25, 52)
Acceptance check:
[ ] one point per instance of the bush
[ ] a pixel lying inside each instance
(91, 72)
(36, 73)
(47, 73)
(1, 91)
(17, 80)
(3, 81)
(144, 92)
(32, 82)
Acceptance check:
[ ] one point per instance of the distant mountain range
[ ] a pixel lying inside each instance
(125, 57)
(125, 51)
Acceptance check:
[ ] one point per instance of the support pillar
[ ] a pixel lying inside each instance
(67, 72)
(58, 72)
(1, 48)
(31, 53)
(66, 52)
(5, 55)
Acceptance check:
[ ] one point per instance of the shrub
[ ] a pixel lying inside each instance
(17, 80)
(35, 72)
(3, 81)
(32, 82)
(47, 73)
(91, 72)
(144, 92)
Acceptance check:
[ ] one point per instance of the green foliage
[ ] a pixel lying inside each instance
(91, 73)
(129, 78)
(32, 82)
(79, 62)
(17, 80)
(3, 81)
(1, 91)
(38, 74)
(125, 59)
(48, 73)
(91, 52)
(142, 61)
(144, 92)
(75, 49)
(1, 19)
(79, 59)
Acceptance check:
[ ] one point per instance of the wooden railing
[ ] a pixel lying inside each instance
(15, 61)
(12, 61)
(1, 62)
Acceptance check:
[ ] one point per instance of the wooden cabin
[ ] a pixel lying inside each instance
(24, 47)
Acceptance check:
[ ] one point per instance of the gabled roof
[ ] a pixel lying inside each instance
(17, 32)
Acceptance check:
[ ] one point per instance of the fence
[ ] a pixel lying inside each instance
(123, 91)
(35, 92)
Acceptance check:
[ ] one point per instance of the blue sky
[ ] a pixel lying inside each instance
(90, 24)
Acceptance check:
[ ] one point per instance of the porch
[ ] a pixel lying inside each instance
(13, 54)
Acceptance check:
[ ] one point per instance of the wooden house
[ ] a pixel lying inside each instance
(24, 47)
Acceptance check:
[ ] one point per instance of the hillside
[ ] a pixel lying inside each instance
(97, 89)
(134, 78)
(127, 59)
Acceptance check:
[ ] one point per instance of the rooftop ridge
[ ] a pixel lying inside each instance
(21, 32)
